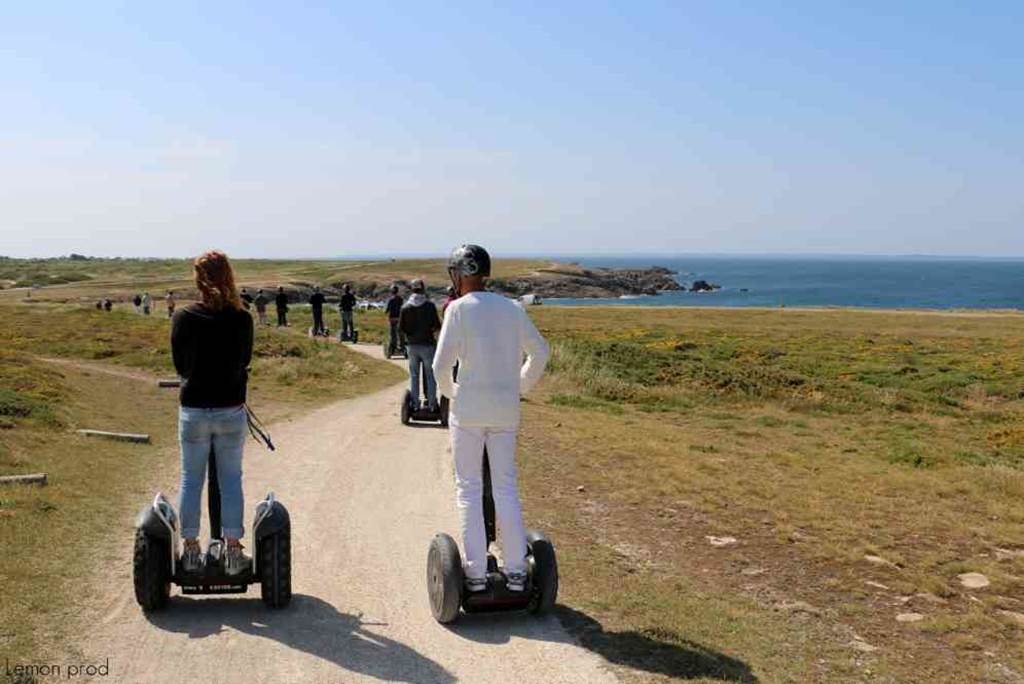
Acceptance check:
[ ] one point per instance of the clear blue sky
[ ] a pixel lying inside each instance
(270, 129)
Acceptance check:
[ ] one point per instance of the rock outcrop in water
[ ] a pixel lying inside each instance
(704, 286)
(581, 283)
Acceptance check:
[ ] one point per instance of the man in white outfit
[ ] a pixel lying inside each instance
(487, 335)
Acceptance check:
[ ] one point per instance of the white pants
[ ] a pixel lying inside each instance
(468, 449)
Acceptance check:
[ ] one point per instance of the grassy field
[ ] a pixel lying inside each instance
(69, 366)
(862, 461)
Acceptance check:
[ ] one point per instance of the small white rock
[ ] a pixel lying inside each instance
(1013, 616)
(581, 488)
(973, 580)
(721, 541)
(863, 646)
(876, 585)
(909, 617)
(799, 607)
(878, 560)
(1009, 554)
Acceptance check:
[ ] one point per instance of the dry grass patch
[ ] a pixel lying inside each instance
(815, 439)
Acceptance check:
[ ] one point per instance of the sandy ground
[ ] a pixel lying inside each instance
(366, 495)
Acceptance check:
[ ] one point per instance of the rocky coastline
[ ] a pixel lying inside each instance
(557, 281)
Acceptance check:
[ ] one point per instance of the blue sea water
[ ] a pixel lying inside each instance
(872, 282)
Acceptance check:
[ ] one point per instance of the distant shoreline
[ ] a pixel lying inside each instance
(963, 312)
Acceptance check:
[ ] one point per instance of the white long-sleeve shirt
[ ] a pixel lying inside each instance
(487, 335)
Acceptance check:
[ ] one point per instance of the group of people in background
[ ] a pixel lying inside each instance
(142, 303)
(416, 335)
(262, 300)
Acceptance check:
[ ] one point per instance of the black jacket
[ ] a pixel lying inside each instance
(212, 351)
(394, 306)
(281, 300)
(348, 302)
(419, 322)
(317, 300)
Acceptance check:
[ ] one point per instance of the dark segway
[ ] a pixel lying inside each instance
(411, 412)
(157, 564)
(353, 338)
(446, 588)
(390, 351)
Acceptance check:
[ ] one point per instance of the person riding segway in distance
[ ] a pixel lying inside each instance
(316, 302)
(419, 322)
(449, 297)
(281, 303)
(347, 306)
(487, 335)
(393, 307)
(261, 306)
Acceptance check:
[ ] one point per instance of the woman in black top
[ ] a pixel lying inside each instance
(211, 342)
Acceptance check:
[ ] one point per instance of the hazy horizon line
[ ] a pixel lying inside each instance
(367, 256)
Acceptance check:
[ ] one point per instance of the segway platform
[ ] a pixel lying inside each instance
(157, 562)
(410, 412)
(389, 352)
(212, 579)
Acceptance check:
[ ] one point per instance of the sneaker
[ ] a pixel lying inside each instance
(235, 560)
(515, 581)
(475, 585)
(192, 557)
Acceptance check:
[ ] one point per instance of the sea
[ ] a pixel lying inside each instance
(829, 281)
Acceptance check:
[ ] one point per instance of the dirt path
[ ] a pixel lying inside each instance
(365, 495)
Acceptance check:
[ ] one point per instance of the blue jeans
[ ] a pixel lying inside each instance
(347, 324)
(422, 354)
(395, 336)
(224, 429)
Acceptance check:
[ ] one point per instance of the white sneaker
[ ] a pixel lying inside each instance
(515, 581)
(192, 558)
(235, 560)
(475, 585)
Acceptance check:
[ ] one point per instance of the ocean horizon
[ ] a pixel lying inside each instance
(875, 282)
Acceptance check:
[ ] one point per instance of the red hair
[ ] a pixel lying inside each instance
(216, 281)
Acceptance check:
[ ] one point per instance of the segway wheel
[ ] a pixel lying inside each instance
(355, 337)
(275, 556)
(444, 578)
(386, 349)
(406, 408)
(545, 573)
(444, 411)
(151, 572)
